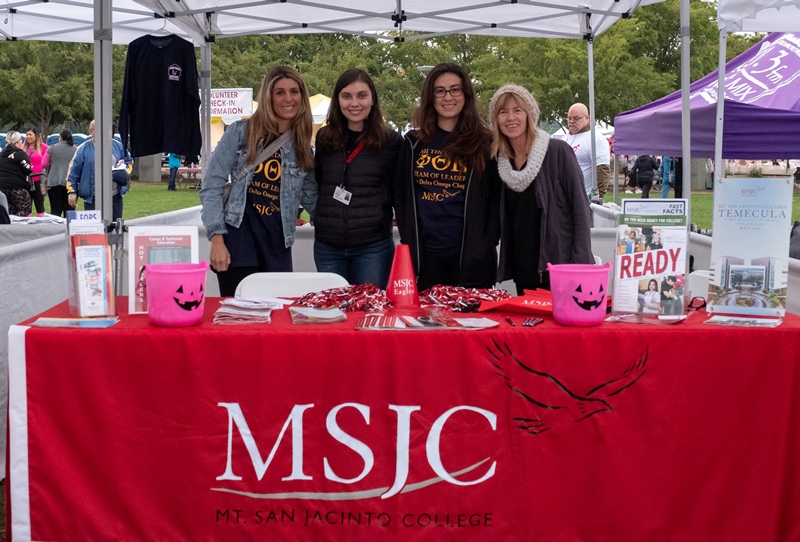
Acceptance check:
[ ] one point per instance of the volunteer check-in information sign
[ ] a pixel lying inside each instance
(231, 102)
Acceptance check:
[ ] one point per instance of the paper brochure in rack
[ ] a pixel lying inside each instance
(532, 302)
(92, 285)
(90, 282)
(750, 247)
(156, 244)
(650, 259)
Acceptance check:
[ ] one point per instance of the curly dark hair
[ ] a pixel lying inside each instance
(471, 139)
(332, 136)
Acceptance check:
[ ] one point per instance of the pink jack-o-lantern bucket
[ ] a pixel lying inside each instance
(176, 293)
(579, 293)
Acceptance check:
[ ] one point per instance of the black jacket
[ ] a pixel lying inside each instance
(15, 166)
(643, 168)
(565, 230)
(369, 177)
(481, 219)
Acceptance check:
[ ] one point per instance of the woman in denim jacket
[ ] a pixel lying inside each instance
(253, 230)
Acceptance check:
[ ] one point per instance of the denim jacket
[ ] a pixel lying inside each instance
(297, 185)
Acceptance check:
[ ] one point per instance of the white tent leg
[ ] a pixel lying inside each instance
(686, 142)
(592, 122)
(719, 169)
(205, 103)
(103, 126)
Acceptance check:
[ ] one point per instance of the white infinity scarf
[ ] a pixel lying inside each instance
(520, 180)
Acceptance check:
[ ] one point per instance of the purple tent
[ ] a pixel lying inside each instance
(762, 109)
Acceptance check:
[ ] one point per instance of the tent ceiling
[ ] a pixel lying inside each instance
(73, 20)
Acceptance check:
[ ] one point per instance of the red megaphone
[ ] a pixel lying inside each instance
(402, 286)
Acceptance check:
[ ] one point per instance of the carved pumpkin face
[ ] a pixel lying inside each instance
(189, 299)
(589, 297)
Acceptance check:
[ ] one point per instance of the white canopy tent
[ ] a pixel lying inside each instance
(204, 21)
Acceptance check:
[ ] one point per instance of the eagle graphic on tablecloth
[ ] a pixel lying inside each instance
(540, 390)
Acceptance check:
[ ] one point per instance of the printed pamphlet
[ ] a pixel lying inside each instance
(95, 292)
(650, 263)
(750, 247)
(156, 244)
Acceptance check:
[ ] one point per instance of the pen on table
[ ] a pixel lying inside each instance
(510, 321)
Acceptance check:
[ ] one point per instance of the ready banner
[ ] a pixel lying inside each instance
(750, 246)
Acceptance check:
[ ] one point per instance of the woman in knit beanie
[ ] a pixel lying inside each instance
(545, 216)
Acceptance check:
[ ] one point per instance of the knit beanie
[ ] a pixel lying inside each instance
(524, 98)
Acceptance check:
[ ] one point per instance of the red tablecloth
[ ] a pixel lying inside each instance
(282, 432)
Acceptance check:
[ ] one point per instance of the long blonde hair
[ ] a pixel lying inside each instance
(500, 143)
(263, 125)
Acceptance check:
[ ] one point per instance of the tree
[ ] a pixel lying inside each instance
(49, 83)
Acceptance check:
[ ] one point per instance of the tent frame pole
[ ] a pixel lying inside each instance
(686, 142)
(719, 167)
(592, 122)
(103, 126)
(205, 100)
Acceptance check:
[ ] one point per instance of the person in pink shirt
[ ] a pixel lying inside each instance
(37, 152)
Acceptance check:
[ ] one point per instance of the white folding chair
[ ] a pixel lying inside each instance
(698, 283)
(260, 285)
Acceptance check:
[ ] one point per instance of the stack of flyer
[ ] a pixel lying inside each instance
(242, 311)
(156, 244)
(650, 261)
(91, 285)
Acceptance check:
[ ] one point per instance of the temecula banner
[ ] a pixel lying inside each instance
(750, 246)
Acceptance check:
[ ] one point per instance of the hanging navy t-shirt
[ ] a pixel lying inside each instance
(440, 190)
(160, 109)
(259, 241)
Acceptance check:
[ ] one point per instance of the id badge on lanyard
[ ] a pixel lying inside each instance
(341, 194)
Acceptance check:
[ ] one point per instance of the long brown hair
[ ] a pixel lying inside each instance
(470, 140)
(375, 134)
(263, 125)
(37, 140)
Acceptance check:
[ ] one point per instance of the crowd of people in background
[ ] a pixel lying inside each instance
(30, 170)
(643, 172)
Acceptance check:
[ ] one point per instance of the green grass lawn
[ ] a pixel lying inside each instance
(145, 199)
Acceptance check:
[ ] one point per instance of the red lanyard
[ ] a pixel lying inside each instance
(355, 152)
(347, 160)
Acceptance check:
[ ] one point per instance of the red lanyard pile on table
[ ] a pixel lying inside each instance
(460, 299)
(356, 297)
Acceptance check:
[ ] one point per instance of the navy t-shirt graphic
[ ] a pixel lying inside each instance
(440, 194)
(261, 233)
